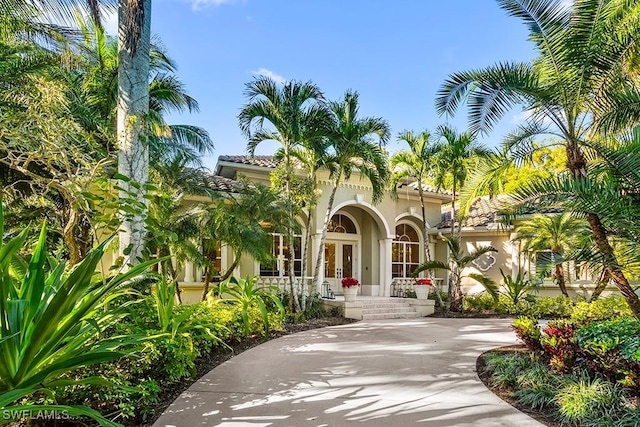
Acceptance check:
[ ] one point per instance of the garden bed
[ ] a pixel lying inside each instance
(506, 393)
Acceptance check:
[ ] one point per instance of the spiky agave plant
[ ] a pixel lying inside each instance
(51, 322)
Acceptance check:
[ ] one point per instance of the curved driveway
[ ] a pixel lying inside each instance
(373, 373)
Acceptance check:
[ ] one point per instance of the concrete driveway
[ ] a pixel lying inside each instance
(374, 373)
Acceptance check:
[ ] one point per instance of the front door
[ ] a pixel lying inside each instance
(339, 260)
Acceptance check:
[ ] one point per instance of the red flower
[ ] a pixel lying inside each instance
(349, 282)
(424, 281)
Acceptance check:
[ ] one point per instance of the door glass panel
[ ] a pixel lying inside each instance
(330, 260)
(347, 260)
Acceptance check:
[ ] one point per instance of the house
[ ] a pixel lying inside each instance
(379, 244)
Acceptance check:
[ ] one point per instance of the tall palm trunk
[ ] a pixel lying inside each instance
(427, 248)
(576, 164)
(305, 255)
(601, 284)
(134, 30)
(454, 292)
(611, 263)
(559, 275)
(323, 236)
(293, 300)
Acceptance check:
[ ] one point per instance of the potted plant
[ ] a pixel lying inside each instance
(422, 287)
(350, 288)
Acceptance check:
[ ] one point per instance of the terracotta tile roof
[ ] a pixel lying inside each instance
(262, 161)
(485, 211)
(220, 183)
(413, 186)
(217, 182)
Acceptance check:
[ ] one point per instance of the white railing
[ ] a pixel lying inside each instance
(401, 285)
(282, 283)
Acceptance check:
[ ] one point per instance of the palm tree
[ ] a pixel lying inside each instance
(134, 30)
(457, 153)
(578, 87)
(237, 221)
(458, 261)
(416, 164)
(296, 114)
(356, 146)
(561, 234)
(312, 157)
(92, 79)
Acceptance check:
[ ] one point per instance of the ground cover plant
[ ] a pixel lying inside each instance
(581, 371)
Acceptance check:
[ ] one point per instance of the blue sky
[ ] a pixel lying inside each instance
(395, 53)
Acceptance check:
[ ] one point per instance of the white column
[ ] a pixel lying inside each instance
(188, 271)
(385, 266)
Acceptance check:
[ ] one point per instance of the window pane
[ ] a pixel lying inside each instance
(341, 224)
(410, 269)
(413, 253)
(330, 260)
(397, 270)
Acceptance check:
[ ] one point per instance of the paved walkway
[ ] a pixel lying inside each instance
(373, 373)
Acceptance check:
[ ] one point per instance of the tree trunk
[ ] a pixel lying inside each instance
(611, 263)
(453, 211)
(427, 249)
(323, 237)
(577, 165)
(205, 285)
(559, 274)
(601, 284)
(454, 302)
(305, 255)
(293, 301)
(134, 25)
(69, 237)
(225, 276)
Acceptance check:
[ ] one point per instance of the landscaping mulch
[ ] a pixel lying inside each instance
(505, 393)
(220, 355)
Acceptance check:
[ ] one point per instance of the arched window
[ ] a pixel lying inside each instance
(341, 224)
(405, 251)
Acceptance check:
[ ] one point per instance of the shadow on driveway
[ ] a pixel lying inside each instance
(378, 373)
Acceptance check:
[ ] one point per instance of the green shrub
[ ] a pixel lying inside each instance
(601, 309)
(245, 294)
(485, 303)
(612, 348)
(528, 331)
(588, 399)
(550, 307)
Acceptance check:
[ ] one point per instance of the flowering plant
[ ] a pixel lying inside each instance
(349, 282)
(424, 281)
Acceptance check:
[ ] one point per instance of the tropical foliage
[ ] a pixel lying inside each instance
(297, 113)
(51, 321)
(561, 234)
(356, 145)
(579, 90)
(458, 261)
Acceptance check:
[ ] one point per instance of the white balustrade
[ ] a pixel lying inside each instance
(282, 283)
(401, 285)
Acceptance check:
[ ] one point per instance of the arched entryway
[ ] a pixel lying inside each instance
(358, 244)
